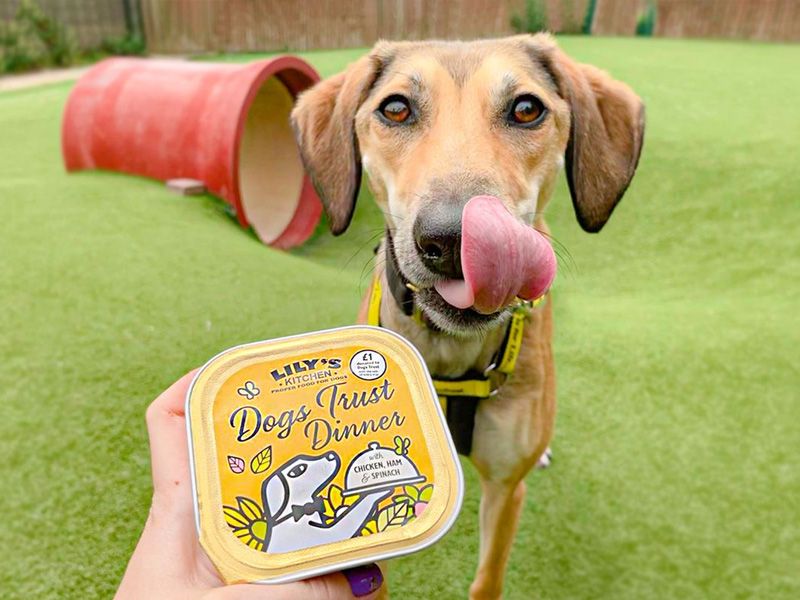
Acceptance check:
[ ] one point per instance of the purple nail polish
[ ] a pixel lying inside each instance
(364, 579)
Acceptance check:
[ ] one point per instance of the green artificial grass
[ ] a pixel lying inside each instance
(677, 334)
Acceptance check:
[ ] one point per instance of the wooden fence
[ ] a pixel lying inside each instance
(617, 17)
(767, 20)
(194, 26)
(90, 21)
(186, 26)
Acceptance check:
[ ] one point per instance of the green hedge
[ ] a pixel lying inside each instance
(33, 40)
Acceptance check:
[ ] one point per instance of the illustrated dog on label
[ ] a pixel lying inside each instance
(293, 505)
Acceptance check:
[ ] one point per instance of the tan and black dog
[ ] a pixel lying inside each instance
(434, 124)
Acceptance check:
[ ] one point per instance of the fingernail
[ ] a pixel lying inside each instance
(364, 580)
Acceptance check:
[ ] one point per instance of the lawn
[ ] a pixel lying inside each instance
(676, 471)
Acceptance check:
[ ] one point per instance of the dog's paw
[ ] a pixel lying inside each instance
(545, 459)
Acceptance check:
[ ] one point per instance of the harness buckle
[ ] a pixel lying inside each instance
(489, 369)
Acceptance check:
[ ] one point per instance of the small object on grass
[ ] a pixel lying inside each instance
(186, 187)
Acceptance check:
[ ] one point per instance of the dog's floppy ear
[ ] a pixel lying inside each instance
(275, 495)
(324, 125)
(605, 140)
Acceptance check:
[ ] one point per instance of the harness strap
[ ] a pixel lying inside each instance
(512, 344)
(374, 310)
(472, 384)
(460, 416)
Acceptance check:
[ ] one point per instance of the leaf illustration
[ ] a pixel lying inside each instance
(261, 461)
(335, 495)
(426, 493)
(403, 498)
(392, 516)
(236, 464)
(337, 500)
(412, 491)
(249, 508)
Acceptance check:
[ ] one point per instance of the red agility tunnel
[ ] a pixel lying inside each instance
(223, 124)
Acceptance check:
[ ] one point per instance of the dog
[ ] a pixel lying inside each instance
(433, 125)
(293, 506)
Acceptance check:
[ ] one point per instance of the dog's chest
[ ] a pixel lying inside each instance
(445, 355)
(452, 357)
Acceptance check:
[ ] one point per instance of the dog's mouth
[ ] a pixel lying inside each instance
(498, 260)
(441, 315)
(437, 313)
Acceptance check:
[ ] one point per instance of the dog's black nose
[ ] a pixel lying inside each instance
(437, 232)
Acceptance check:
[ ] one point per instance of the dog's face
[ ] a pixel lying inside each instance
(298, 482)
(437, 123)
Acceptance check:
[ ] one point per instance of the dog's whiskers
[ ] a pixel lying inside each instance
(562, 252)
(377, 262)
(377, 233)
(392, 215)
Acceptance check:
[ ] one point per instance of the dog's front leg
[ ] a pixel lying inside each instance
(501, 503)
(355, 516)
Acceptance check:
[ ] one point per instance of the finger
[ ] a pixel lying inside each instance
(359, 582)
(166, 426)
(364, 581)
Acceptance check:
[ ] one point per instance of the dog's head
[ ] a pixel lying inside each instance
(297, 483)
(437, 123)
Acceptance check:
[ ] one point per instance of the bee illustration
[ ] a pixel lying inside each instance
(249, 390)
(401, 445)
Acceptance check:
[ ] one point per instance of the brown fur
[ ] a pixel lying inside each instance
(458, 148)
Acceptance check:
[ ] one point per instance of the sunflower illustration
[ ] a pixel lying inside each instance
(247, 521)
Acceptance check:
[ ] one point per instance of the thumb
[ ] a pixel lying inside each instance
(359, 582)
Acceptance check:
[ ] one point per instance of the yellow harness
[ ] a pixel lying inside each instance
(473, 386)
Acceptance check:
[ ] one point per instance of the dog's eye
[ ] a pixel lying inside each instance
(297, 471)
(527, 110)
(395, 109)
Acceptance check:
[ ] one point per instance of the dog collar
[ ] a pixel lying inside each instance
(401, 288)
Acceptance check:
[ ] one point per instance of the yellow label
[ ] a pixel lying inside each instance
(336, 443)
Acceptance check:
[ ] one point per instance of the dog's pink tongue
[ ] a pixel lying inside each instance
(501, 259)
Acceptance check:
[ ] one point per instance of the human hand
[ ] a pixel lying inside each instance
(168, 561)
